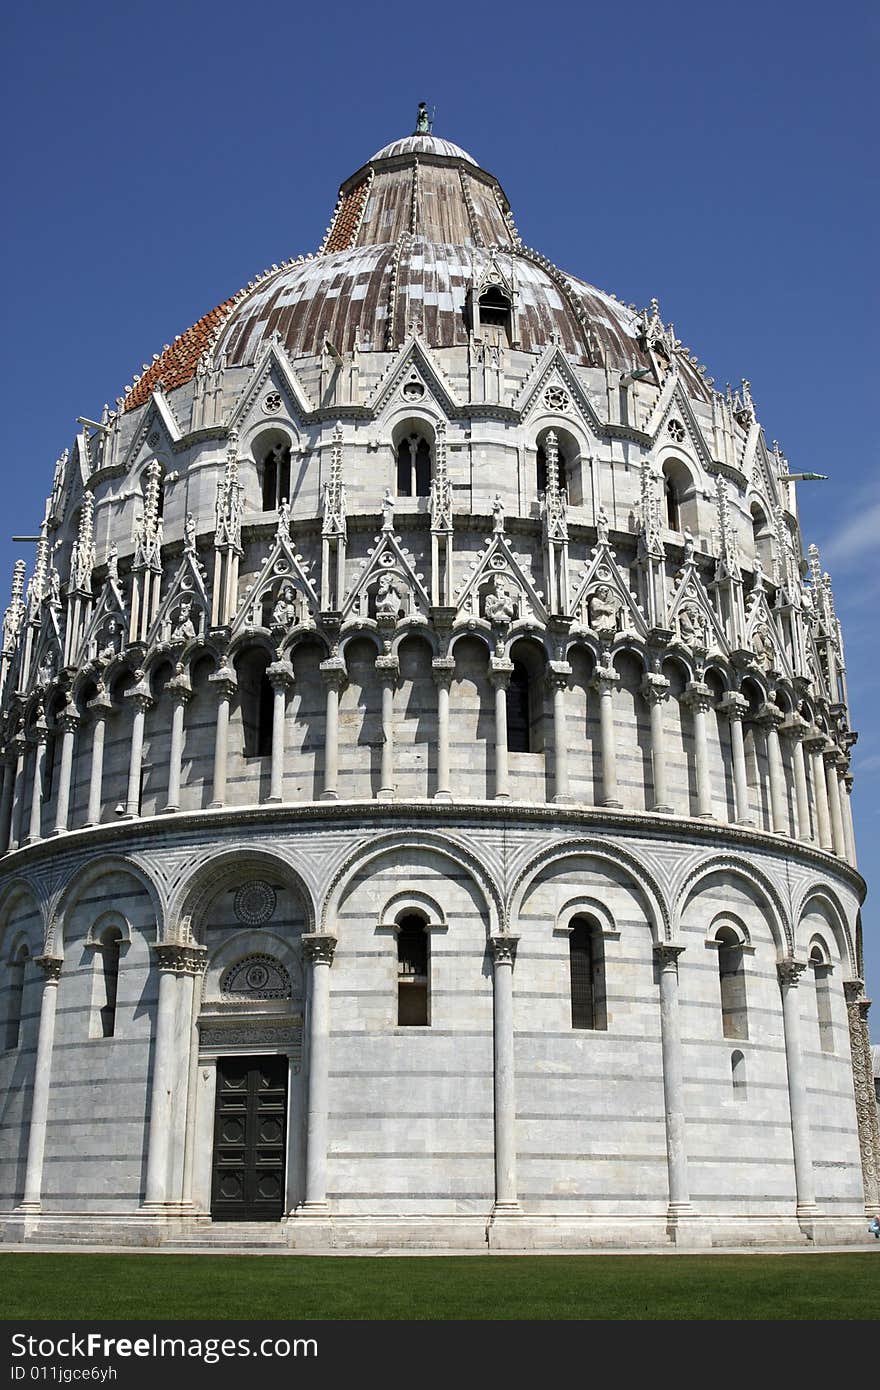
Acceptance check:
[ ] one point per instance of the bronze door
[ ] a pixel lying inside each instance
(250, 1123)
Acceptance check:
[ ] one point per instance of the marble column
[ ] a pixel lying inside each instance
(443, 669)
(814, 744)
(19, 744)
(334, 675)
(33, 1182)
(6, 801)
(41, 734)
(141, 700)
(666, 956)
(699, 697)
(735, 707)
(100, 708)
(771, 716)
(857, 1007)
(838, 840)
(849, 824)
(655, 693)
(789, 975)
(225, 683)
(604, 681)
(503, 954)
(171, 1063)
(180, 691)
(796, 730)
(68, 723)
(388, 669)
(318, 949)
(280, 674)
(558, 674)
(500, 672)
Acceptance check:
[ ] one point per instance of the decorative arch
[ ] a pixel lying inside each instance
(583, 905)
(192, 896)
(83, 877)
(374, 849)
(415, 901)
(687, 888)
(731, 920)
(15, 889)
(247, 942)
(658, 912)
(838, 924)
(112, 920)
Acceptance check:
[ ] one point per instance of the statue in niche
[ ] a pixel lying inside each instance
(387, 510)
(113, 565)
(602, 611)
(498, 516)
(602, 526)
(110, 640)
(46, 670)
(189, 534)
(692, 625)
(55, 588)
(284, 519)
(392, 594)
(765, 647)
(500, 604)
(286, 608)
(183, 628)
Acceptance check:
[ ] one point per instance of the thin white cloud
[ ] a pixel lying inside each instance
(852, 541)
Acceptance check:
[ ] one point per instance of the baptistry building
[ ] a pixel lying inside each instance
(425, 813)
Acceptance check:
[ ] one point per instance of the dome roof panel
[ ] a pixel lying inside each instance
(423, 144)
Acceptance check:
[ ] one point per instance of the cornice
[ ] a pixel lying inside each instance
(185, 826)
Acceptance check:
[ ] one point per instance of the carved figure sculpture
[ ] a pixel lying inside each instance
(184, 629)
(692, 625)
(498, 515)
(286, 608)
(387, 510)
(500, 603)
(765, 647)
(391, 596)
(602, 611)
(109, 640)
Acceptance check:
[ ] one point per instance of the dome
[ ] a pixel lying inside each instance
(424, 779)
(422, 145)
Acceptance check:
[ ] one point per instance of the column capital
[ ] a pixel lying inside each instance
(319, 947)
(654, 688)
(180, 958)
(387, 667)
(795, 727)
(830, 754)
(333, 671)
(139, 696)
(770, 715)
(848, 782)
(443, 670)
(51, 967)
(500, 672)
(280, 674)
(180, 689)
(667, 953)
(557, 675)
(790, 971)
(698, 696)
(814, 740)
(853, 991)
(69, 721)
(734, 705)
(503, 947)
(40, 731)
(224, 681)
(605, 678)
(101, 705)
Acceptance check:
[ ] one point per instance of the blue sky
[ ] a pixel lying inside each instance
(723, 158)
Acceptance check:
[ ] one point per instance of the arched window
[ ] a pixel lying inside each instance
(495, 310)
(413, 466)
(107, 964)
(678, 490)
(762, 538)
(586, 956)
(673, 503)
(276, 476)
(519, 735)
(413, 954)
(738, 1074)
(15, 996)
(732, 981)
(257, 698)
(822, 982)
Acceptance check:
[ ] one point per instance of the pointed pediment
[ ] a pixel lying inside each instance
(184, 612)
(497, 562)
(388, 584)
(606, 614)
(415, 363)
(764, 636)
(553, 372)
(272, 372)
(158, 431)
(758, 468)
(105, 634)
(672, 404)
(282, 595)
(692, 616)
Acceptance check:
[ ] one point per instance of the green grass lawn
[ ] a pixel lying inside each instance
(83, 1286)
